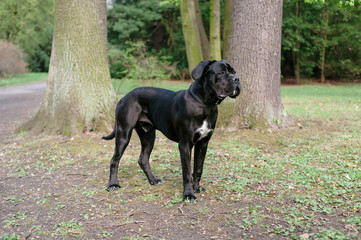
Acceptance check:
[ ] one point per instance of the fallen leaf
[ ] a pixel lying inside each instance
(305, 235)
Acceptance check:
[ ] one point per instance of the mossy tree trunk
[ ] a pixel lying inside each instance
(79, 95)
(215, 30)
(191, 33)
(227, 27)
(255, 52)
(202, 32)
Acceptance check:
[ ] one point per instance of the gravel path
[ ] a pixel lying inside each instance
(18, 104)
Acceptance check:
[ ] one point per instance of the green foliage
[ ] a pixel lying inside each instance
(348, 2)
(29, 24)
(298, 36)
(158, 26)
(71, 228)
(7, 236)
(344, 52)
(165, 2)
(134, 63)
(132, 21)
(303, 36)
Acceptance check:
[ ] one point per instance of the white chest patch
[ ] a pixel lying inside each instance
(204, 130)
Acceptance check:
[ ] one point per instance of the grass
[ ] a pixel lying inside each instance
(319, 101)
(124, 86)
(296, 183)
(25, 78)
(121, 86)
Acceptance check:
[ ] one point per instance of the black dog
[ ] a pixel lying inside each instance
(187, 117)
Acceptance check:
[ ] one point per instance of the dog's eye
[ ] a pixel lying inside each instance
(220, 74)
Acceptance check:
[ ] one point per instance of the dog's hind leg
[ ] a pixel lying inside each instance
(121, 142)
(147, 136)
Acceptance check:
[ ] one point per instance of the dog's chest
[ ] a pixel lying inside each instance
(204, 130)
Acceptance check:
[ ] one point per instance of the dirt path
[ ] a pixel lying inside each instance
(17, 104)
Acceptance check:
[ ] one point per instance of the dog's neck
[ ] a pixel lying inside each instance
(197, 91)
(193, 89)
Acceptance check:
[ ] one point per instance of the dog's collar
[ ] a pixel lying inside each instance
(195, 95)
(191, 90)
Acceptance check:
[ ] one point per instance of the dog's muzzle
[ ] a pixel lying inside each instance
(237, 89)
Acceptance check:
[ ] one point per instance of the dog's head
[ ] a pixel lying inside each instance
(218, 78)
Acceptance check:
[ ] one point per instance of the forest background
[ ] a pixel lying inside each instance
(146, 40)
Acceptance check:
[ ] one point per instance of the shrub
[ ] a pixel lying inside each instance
(11, 59)
(134, 63)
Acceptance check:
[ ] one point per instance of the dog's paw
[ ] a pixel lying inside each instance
(157, 182)
(200, 190)
(190, 198)
(113, 187)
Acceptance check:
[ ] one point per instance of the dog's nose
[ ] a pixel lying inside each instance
(235, 80)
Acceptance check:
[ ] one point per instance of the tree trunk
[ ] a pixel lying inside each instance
(191, 33)
(202, 32)
(324, 42)
(255, 52)
(298, 45)
(227, 27)
(79, 95)
(215, 30)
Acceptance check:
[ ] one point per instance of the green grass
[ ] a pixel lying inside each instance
(312, 101)
(122, 86)
(25, 78)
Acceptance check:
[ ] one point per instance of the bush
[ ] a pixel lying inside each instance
(136, 64)
(29, 24)
(157, 25)
(11, 59)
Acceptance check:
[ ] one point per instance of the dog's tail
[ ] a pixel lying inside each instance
(110, 136)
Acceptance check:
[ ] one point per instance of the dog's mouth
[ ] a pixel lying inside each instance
(221, 97)
(234, 94)
(232, 91)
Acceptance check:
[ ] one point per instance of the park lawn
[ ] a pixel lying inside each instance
(123, 86)
(24, 78)
(301, 182)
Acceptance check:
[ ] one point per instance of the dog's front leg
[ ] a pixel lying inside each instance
(199, 156)
(185, 149)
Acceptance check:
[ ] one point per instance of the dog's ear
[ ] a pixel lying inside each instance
(198, 71)
(230, 68)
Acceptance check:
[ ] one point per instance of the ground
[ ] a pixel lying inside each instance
(297, 183)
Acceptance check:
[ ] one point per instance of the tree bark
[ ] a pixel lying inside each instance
(215, 30)
(255, 52)
(324, 42)
(191, 33)
(298, 45)
(202, 31)
(227, 27)
(79, 95)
